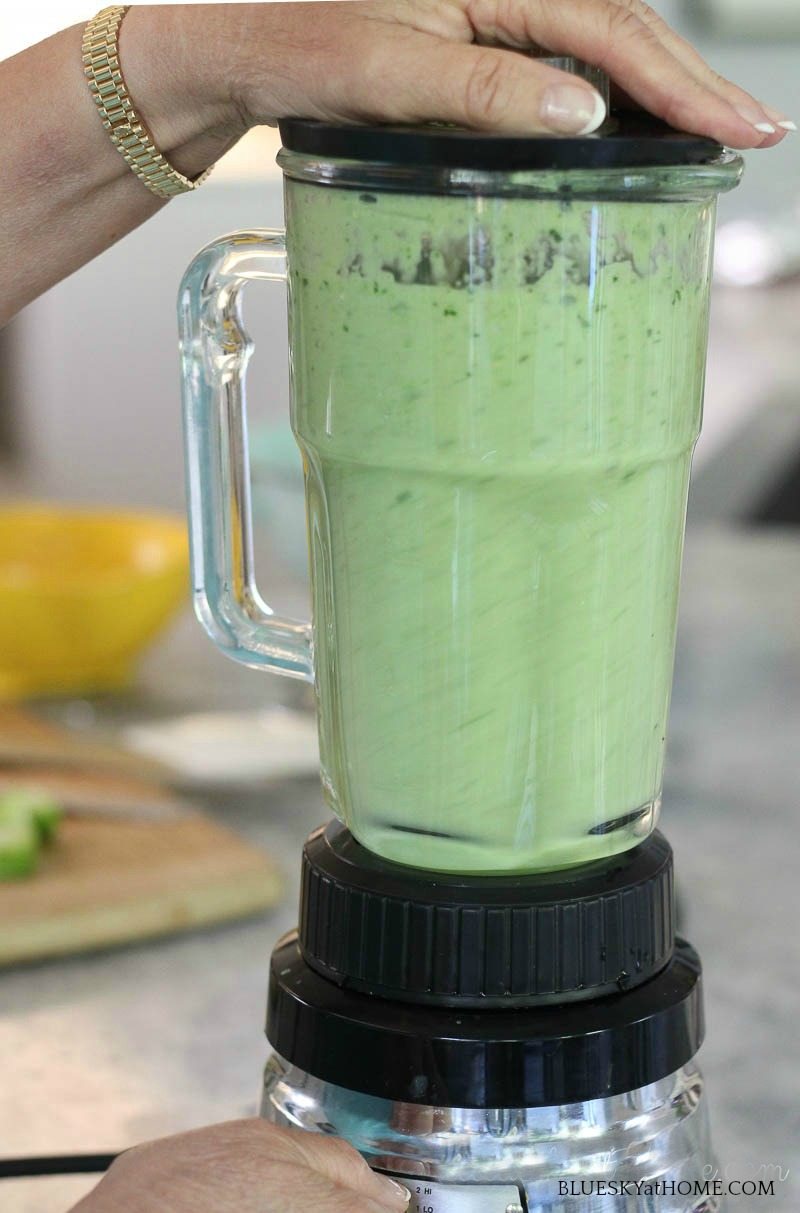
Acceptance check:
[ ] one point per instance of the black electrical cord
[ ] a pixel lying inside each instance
(58, 1164)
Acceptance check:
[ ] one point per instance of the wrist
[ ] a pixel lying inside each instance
(175, 69)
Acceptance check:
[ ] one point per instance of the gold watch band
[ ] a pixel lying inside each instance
(126, 129)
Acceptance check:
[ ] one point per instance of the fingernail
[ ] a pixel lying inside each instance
(779, 119)
(755, 115)
(401, 1191)
(571, 110)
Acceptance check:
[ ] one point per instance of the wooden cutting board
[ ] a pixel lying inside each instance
(28, 740)
(105, 880)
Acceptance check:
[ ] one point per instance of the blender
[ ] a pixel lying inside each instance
(497, 352)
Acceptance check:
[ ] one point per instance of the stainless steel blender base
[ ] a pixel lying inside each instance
(647, 1150)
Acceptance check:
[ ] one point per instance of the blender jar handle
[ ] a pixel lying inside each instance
(215, 350)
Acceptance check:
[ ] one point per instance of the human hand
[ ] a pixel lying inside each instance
(447, 60)
(200, 75)
(243, 1166)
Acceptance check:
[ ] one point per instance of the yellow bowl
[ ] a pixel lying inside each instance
(81, 592)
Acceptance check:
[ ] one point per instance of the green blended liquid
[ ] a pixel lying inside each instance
(497, 401)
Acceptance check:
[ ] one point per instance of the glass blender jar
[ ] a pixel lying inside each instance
(497, 352)
(497, 355)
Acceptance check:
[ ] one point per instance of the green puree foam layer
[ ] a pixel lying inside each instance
(497, 401)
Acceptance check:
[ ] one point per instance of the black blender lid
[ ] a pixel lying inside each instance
(632, 141)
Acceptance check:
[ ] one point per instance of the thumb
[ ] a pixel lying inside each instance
(480, 87)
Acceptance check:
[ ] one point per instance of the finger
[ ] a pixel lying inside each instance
(246, 1166)
(338, 1162)
(755, 112)
(614, 37)
(779, 118)
(414, 77)
(297, 1189)
(441, 21)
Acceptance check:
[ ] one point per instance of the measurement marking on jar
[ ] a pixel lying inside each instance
(428, 1196)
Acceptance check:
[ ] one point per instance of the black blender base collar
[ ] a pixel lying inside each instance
(530, 1057)
(441, 939)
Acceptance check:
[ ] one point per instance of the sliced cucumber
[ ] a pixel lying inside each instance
(19, 847)
(31, 804)
(28, 818)
(46, 816)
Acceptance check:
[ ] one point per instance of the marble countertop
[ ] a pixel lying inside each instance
(102, 1051)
